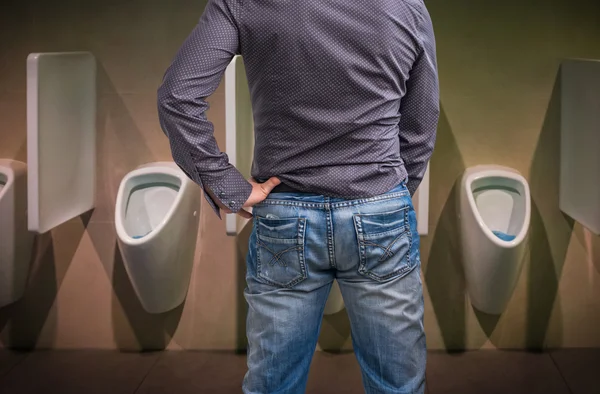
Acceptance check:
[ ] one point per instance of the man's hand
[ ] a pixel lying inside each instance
(260, 191)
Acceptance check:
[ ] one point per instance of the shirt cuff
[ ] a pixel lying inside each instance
(231, 189)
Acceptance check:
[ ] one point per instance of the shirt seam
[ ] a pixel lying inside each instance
(238, 23)
(421, 20)
(414, 8)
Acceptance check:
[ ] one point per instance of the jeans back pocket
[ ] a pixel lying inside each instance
(280, 250)
(384, 242)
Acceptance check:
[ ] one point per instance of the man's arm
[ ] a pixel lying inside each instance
(419, 109)
(193, 76)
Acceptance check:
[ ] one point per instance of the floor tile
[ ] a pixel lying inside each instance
(206, 372)
(580, 368)
(493, 372)
(76, 372)
(195, 372)
(334, 373)
(9, 359)
(95, 372)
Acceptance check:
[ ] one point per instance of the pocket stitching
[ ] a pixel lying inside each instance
(386, 251)
(359, 217)
(277, 255)
(281, 241)
(300, 239)
(405, 208)
(361, 243)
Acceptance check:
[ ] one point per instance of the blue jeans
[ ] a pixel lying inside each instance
(299, 244)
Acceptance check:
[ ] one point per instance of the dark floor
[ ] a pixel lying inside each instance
(575, 371)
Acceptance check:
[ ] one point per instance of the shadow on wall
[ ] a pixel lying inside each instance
(150, 331)
(335, 332)
(550, 228)
(443, 272)
(549, 238)
(592, 244)
(120, 146)
(128, 137)
(21, 155)
(31, 322)
(134, 329)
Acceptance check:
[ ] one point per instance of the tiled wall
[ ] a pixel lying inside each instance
(498, 64)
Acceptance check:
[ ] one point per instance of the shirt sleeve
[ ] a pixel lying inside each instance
(420, 108)
(193, 76)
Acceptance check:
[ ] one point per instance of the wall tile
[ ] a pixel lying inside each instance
(15, 36)
(499, 93)
(129, 135)
(13, 125)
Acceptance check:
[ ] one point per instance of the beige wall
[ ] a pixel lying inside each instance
(498, 69)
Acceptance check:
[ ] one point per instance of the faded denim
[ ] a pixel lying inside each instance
(299, 244)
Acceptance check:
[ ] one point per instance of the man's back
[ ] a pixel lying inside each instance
(344, 93)
(327, 79)
(345, 101)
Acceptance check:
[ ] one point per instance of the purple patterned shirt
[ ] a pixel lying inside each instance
(344, 94)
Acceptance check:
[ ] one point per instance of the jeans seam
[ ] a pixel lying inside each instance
(276, 256)
(410, 238)
(362, 267)
(301, 261)
(330, 242)
(333, 205)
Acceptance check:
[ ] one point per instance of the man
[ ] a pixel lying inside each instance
(345, 102)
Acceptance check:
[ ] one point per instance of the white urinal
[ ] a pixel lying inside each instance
(156, 218)
(494, 212)
(16, 242)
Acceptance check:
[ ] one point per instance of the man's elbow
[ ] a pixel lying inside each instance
(166, 101)
(436, 112)
(166, 98)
